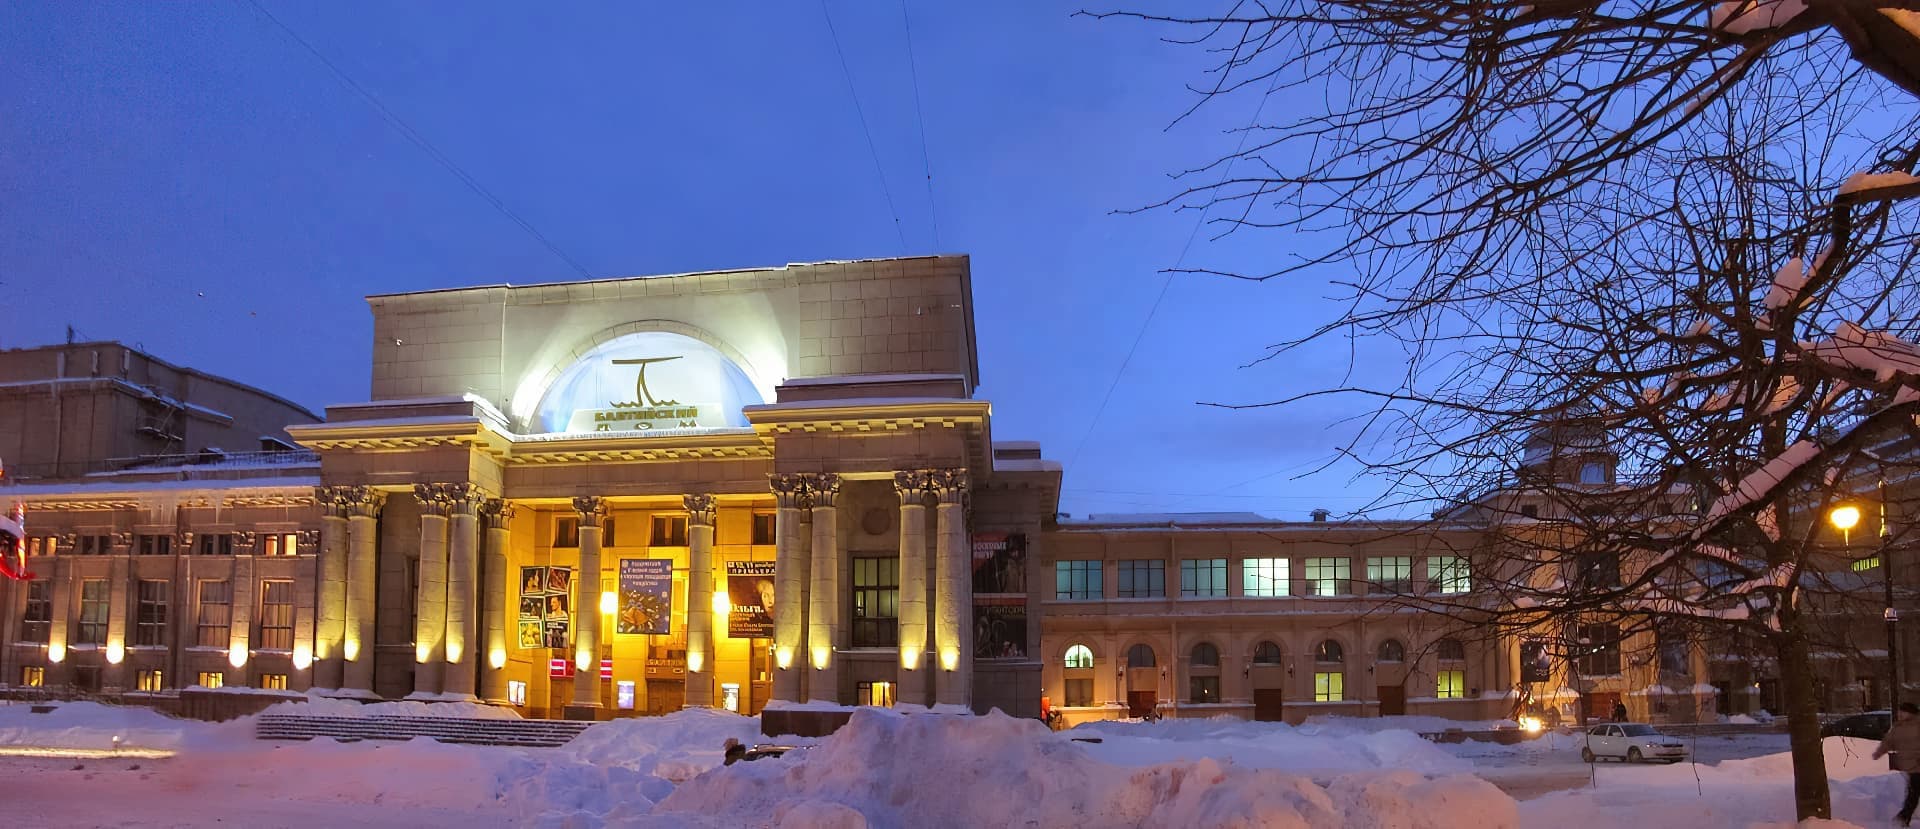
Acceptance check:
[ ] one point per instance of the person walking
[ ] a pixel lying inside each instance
(1619, 712)
(1903, 742)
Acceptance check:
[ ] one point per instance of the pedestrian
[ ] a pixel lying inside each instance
(1619, 712)
(1903, 742)
(734, 751)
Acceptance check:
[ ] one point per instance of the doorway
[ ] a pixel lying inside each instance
(1393, 700)
(1268, 704)
(1140, 703)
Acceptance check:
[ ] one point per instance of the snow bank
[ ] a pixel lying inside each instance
(93, 726)
(1860, 182)
(1334, 744)
(889, 769)
(320, 706)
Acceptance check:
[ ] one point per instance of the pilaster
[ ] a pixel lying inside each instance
(498, 516)
(430, 601)
(463, 583)
(791, 570)
(363, 505)
(912, 488)
(586, 611)
(953, 596)
(701, 657)
(331, 625)
(825, 637)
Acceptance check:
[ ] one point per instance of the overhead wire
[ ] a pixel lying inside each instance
(926, 158)
(861, 112)
(407, 131)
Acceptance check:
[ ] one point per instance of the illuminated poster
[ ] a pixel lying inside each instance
(646, 597)
(546, 604)
(999, 627)
(999, 564)
(999, 596)
(750, 599)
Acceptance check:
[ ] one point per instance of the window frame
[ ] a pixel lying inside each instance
(566, 532)
(1258, 579)
(151, 600)
(213, 544)
(1082, 580)
(1329, 686)
(1456, 689)
(1069, 663)
(202, 626)
(873, 627)
(150, 680)
(1596, 654)
(211, 679)
(772, 535)
(91, 631)
(1449, 575)
(270, 630)
(33, 676)
(37, 627)
(1129, 572)
(667, 530)
(1340, 583)
(1390, 575)
(1215, 573)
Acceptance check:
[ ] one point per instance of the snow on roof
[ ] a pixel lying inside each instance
(1741, 17)
(853, 379)
(136, 487)
(1864, 181)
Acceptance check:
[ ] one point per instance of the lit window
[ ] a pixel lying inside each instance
(94, 601)
(276, 615)
(150, 613)
(1451, 684)
(33, 676)
(516, 692)
(669, 531)
(730, 696)
(1865, 564)
(1390, 574)
(1329, 686)
(1079, 656)
(1143, 579)
(1203, 577)
(1598, 647)
(273, 682)
(39, 619)
(879, 694)
(624, 693)
(1265, 577)
(1328, 576)
(148, 681)
(211, 679)
(1449, 574)
(216, 614)
(1076, 580)
(279, 544)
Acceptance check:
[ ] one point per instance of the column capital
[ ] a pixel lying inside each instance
(69, 540)
(361, 501)
(700, 509)
(307, 539)
(789, 490)
(497, 512)
(184, 538)
(592, 509)
(462, 499)
(434, 499)
(334, 501)
(247, 539)
(822, 487)
(949, 485)
(912, 486)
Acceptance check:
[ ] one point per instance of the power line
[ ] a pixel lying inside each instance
(862, 113)
(421, 141)
(926, 160)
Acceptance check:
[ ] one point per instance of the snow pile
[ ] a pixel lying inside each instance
(1860, 182)
(320, 706)
(1741, 17)
(1334, 744)
(617, 769)
(889, 769)
(91, 725)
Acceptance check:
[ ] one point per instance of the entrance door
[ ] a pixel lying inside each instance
(1140, 703)
(1393, 700)
(1267, 704)
(1599, 706)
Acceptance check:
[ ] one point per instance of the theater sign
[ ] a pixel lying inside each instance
(648, 382)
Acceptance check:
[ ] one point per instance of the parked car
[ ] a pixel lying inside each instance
(764, 751)
(1632, 742)
(1872, 725)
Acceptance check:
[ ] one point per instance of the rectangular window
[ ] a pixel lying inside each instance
(1079, 693)
(1329, 686)
(1599, 649)
(607, 538)
(33, 676)
(150, 613)
(272, 682)
(215, 614)
(566, 532)
(1449, 574)
(877, 694)
(876, 602)
(1865, 564)
(153, 544)
(214, 544)
(1328, 576)
(1599, 571)
(276, 615)
(516, 692)
(1390, 574)
(1203, 577)
(669, 531)
(93, 545)
(1076, 580)
(149, 681)
(38, 625)
(1203, 689)
(87, 678)
(279, 544)
(211, 679)
(41, 545)
(1451, 685)
(94, 598)
(763, 528)
(1143, 579)
(1264, 577)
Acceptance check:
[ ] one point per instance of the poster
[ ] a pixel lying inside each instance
(750, 599)
(1535, 664)
(646, 597)
(999, 564)
(545, 607)
(999, 628)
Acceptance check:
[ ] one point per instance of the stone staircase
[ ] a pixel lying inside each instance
(522, 733)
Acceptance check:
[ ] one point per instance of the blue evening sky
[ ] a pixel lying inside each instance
(190, 179)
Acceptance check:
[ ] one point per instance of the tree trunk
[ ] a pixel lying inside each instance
(1811, 797)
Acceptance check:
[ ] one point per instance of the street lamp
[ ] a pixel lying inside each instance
(1844, 518)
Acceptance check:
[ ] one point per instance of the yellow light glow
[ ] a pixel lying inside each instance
(584, 661)
(237, 656)
(56, 652)
(910, 659)
(1844, 517)
(116, 651)
(609, 602)
(421, 652)
(782, 657)
(950, 658)
(721, 605)
(302, 658)
(1531, 724)
(85, 753)
(695, 661)
(351, 650)
(497, 658)
(454, 650)
(821, 658)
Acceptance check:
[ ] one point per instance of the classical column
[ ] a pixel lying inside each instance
(330, 631)
(824, 634)
(493, 675)
(790, 574)
(430, 601)
(114, 677)
(953, 590)
(586, 612)
(701, 657)
(241, 600)
(462, 635)
(912, 489)
(363, 538)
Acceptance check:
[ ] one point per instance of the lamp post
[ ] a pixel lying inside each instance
(1845, 518)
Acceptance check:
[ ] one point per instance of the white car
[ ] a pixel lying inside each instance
(1632, 742)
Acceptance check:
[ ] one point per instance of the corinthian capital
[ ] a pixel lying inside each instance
(462, 499)
(433, 498)
(949, 485)
(497, 512)
(334, 501)
(911, 486)
(823, 487)
(700, 509)
(361, 501)
(789, 491)
(592, 509)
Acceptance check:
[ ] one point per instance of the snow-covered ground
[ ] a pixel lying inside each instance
(888, 769)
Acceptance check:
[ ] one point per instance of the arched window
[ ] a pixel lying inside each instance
(1140, 656)
(1392, 651)
(1329, 651)
(1451, 650)
(1205, 655)
(1079, 656)
(1266, 653)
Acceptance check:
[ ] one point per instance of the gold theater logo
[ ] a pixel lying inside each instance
(645, 411)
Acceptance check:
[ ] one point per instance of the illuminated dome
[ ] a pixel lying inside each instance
(647, 381)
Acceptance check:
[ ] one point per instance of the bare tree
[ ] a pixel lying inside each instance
(1629, 226)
